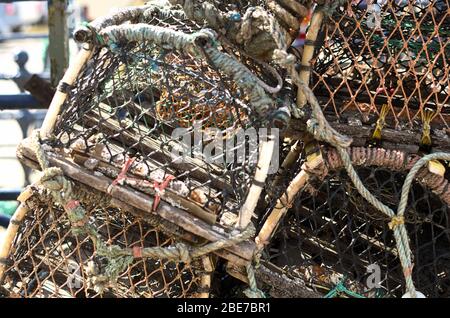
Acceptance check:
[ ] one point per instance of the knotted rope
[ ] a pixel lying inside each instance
(201, 44)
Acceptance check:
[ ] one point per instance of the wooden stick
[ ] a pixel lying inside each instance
(284, 202)
(189, 237)
(197, 168)
(308, 53)
(205, 280)
(291, 158)
(13, 227)
(262, 169)
(392, 138)
(283, 284)
(60, 96)
(112, 171)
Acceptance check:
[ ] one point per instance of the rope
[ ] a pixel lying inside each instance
(318, 126)
(253, 291)
(268, 67)
(340, 288)
(243, 78)
(400, 234)
(199, 44)
(164, 37)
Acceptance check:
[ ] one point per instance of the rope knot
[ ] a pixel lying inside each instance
(396, 221)
(184, 254)
(283, 58)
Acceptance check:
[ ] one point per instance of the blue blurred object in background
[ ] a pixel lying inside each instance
(4, 220)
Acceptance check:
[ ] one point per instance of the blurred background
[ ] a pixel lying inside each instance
(24, 51)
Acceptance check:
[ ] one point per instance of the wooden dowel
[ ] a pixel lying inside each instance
(13, 227)
(262, 169)
(291, 158)
(284, 202)
(205, 280)
(308, 52)
(60, 96)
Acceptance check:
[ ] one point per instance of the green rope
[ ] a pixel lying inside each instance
(340, 288)
(253, 291)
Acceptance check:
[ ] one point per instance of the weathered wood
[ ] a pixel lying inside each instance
(12, 229)
(391, 139)
(284, 203)
(283, 285)
(60, 96)
(188, 205)
(308, 52)
(186, 236)
(196, 168)
(140, 201)
(205, 280)
(262, 169)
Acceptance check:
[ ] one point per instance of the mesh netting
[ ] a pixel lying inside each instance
(126, 118)
(400, 47)
(331, 235)
(48, 260)
(162, 117)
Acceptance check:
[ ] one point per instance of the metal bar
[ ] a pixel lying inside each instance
(59, 39)
(9, 194)
(10, 1)
(23, 36)
(19, 101)
(37, 115)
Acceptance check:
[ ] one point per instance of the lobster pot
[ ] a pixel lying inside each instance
(332, 237)
(175, 114)
(48, 260)
(385, 52)
(158, 130)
